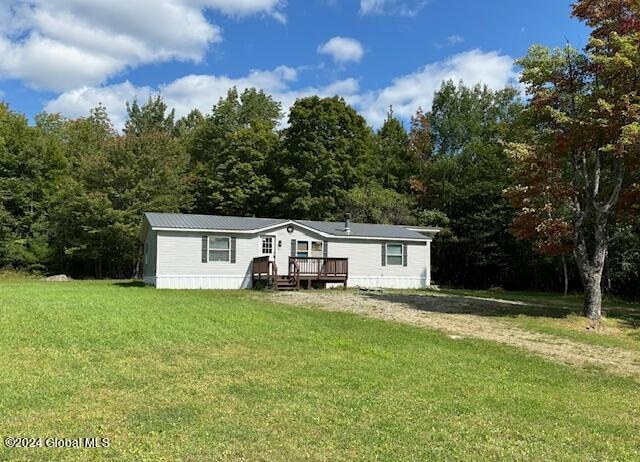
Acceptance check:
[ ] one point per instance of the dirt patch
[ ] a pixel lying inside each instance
(460, 317)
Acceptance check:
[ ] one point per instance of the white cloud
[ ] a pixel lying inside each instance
(193, 91)
(394, 7)
(405, 93)
(63, 44)
(78, 102)
(455, 39)
(342, 49)
(245, 7)
(408, 92)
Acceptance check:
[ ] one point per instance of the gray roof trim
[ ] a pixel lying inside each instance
(242, 225)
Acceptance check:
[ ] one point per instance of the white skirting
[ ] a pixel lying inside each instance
(388, 282)
(244, 282)
(203, 282)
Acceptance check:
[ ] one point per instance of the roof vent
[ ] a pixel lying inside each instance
(347, 224)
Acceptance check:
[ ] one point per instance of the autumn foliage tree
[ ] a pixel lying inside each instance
(542, 195)
(586, 110)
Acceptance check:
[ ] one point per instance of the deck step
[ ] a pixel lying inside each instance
(285, 283)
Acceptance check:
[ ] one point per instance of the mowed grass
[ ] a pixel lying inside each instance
(206, 375)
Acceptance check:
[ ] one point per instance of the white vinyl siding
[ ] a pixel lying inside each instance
(180, 263)
(366, 269)
(179, 260)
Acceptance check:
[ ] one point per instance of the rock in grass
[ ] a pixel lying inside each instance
(58, 278)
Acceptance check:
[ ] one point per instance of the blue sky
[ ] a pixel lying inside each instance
(68, 55)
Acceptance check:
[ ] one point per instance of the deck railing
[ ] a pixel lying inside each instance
(319, 267)
(264, 268)
(310, 269)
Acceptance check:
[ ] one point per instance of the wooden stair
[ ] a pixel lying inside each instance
(285, 283)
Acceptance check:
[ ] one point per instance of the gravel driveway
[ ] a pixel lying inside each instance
(457, 316)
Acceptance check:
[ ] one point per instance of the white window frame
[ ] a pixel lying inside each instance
(263, 238)
(401, 255)
(227, 250)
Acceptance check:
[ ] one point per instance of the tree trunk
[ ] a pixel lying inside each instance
(591, 267)
(566, 275)
(591, 258)
(593, 294)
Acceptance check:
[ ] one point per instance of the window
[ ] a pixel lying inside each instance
(394, 254)
(219, 249)
(267, 245)
(302, 249)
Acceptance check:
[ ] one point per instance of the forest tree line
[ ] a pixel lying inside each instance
(73, 191)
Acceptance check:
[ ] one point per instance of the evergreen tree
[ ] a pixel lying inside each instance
(394, 161)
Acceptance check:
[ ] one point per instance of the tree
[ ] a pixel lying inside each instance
(113, 179)
(586, 106)
(420, 142)
(327, 148)
(239, 183)
(543, 199)
(149, 117)
(464, 179)
(232, 152)
(375, 204)
(394, 162)
(31, 167)
(463, 115)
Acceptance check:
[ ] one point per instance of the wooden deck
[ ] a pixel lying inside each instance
(301, 272)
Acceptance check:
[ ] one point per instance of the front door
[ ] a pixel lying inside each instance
(268, 246)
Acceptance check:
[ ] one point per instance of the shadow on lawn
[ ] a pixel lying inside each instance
(499, 307)
(130, 284)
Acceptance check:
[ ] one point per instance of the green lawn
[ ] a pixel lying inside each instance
(207, 375)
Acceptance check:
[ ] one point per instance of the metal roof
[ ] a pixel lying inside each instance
(336, 228)
(224, 223)
(184, 221)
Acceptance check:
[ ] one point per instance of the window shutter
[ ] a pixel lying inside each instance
(325, 249)
(293, 247)
(405, 247)
(204, 249)
(233, 250)
(384, 254)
